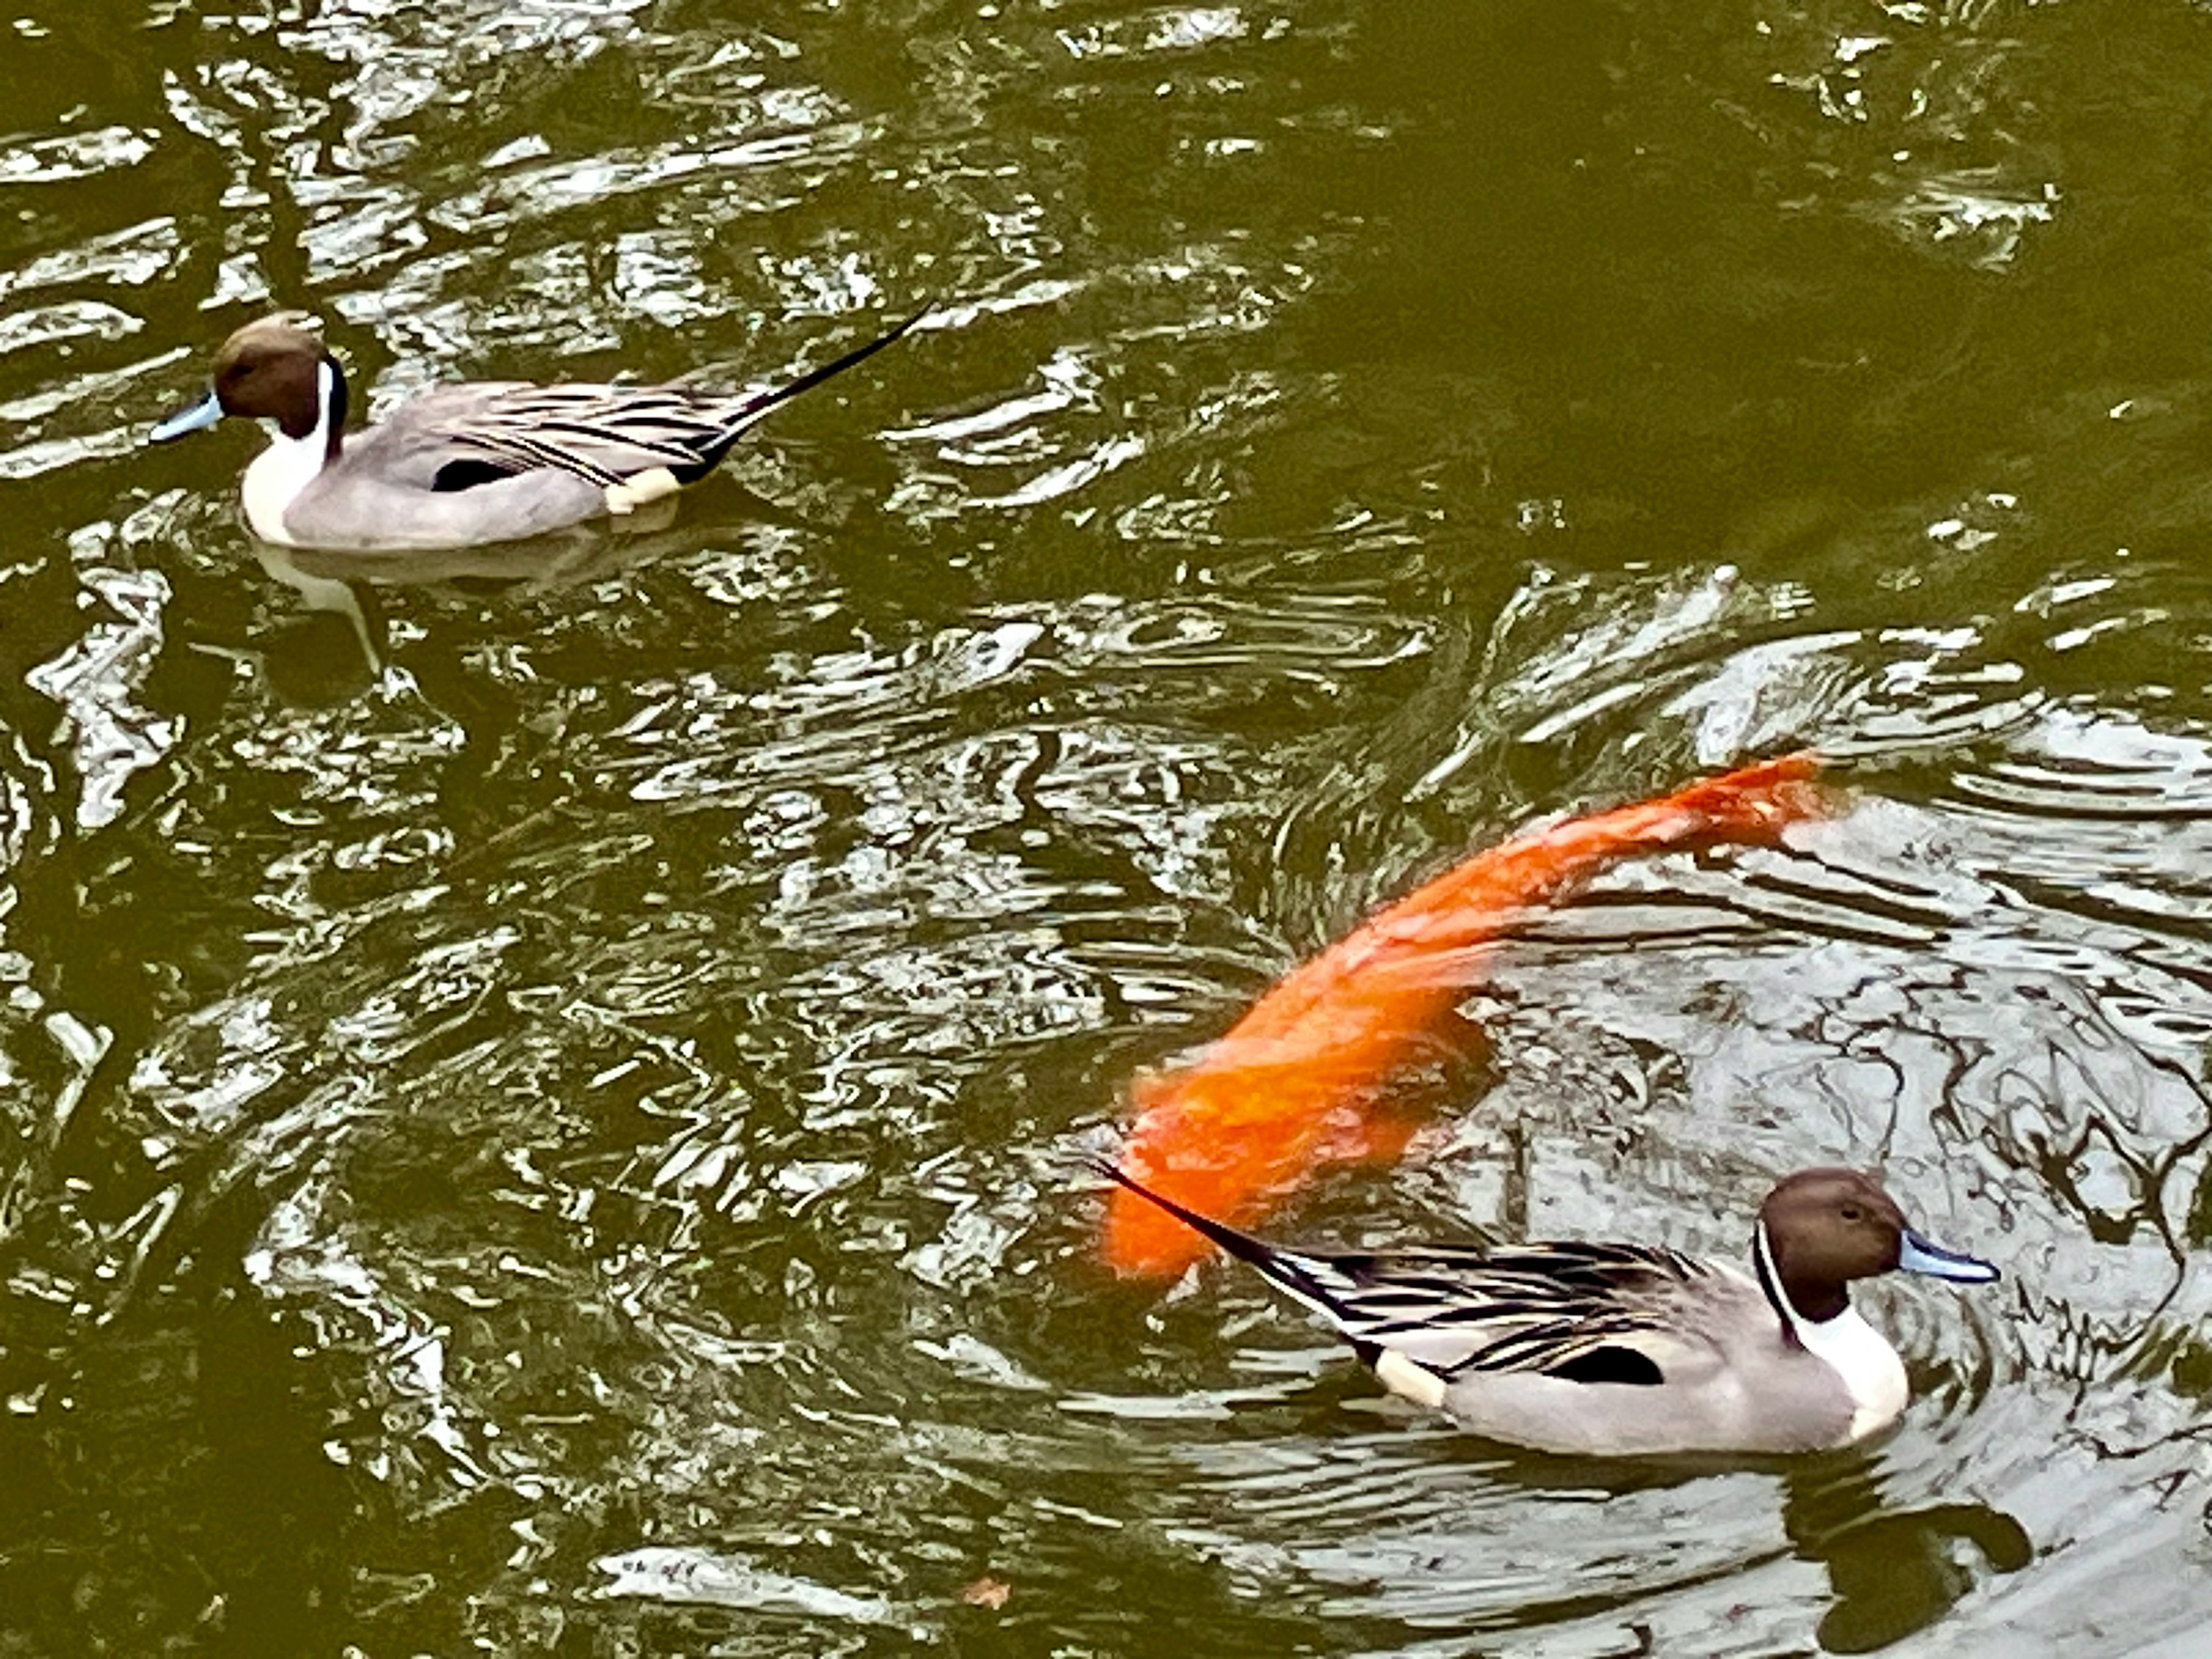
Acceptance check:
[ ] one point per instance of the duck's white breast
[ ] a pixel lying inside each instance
(1869, 1367)
(277, 475)
(274, 480)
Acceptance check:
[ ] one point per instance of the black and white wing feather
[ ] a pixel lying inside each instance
(602, 434)
(1583, 1312)
(1586, 1312)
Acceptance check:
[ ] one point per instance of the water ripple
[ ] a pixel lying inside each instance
(573, 1108)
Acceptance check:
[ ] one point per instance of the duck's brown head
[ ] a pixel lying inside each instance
(1820, 1229)
(270, 369)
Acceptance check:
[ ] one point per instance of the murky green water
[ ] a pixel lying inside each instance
(564, 1136)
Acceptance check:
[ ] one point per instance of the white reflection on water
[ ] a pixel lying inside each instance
(72, 156)
(301, 1261)
(675, 1574)
(111, 734)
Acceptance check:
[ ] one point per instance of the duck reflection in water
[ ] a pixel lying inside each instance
(1893, 1570)
(314, 664)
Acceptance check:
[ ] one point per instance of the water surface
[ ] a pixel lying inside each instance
(543, 1097)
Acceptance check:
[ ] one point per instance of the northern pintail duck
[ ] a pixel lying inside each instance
(462, 465)
(1628, 1350)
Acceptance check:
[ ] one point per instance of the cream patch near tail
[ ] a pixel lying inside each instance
(641, 489)
(1411, 1381)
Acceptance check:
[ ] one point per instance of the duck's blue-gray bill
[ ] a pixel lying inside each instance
(1921, 1254)
(206, 412)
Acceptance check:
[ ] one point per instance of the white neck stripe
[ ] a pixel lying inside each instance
(287, 466)
(1770, 1281)
(1860, 1355)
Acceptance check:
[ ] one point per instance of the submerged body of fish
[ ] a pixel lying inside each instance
(1299, 1082)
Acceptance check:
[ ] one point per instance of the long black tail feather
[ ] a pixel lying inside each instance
(806, 382)
(1285, 1270)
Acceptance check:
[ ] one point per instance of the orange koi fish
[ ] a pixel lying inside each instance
(1295, 1083)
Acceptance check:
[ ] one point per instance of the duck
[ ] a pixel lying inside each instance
(468, 464)
(1622, 1350)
